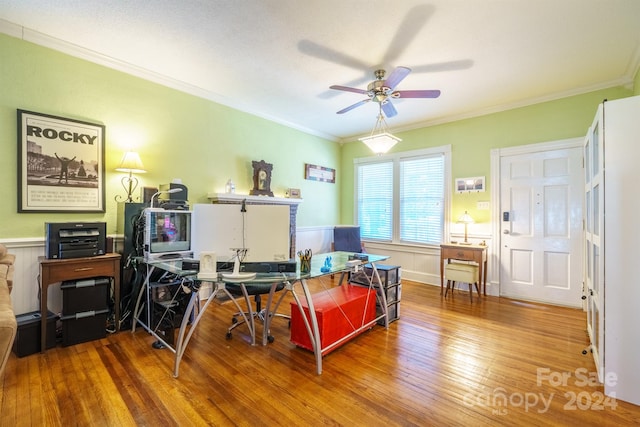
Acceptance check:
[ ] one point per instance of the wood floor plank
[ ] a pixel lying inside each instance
(445, 362)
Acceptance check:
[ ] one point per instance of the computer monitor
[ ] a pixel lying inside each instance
(167, 233)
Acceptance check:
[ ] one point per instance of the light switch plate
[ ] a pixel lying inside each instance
(483, 206)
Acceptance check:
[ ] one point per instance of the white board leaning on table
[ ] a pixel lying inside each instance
(264, 230)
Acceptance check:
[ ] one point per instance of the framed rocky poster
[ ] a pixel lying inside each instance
(60, 164)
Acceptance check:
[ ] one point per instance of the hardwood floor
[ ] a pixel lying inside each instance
(445, 362)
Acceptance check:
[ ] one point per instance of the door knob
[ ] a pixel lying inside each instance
(505, 232)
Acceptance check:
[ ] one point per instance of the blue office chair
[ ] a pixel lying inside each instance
(347, 238)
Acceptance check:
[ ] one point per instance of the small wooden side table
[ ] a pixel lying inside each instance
(460, 252)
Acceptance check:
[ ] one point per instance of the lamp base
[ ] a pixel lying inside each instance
(129, 183)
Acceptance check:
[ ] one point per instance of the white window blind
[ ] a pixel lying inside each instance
(375, 200)
(402, 198)
(422, 199)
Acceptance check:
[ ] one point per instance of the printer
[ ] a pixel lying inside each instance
(75, 239)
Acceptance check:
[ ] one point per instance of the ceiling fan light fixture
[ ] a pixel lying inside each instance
(381, 140)
(382, 91)
(380, 143)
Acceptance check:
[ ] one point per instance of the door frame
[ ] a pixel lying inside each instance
(494, 260)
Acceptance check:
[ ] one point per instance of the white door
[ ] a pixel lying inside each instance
(594, 227)
(541, 198)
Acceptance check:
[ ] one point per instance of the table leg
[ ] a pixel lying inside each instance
(249, 320)
(383, 294)
(484, 279)
(182, 342)
(271, 313)
(116, 293)
(312, 328)
(137, 309)
(441, 274)
(44, 311)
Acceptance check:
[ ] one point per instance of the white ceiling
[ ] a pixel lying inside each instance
(277, 58)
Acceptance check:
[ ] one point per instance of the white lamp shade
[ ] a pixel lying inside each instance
(381, 142)
(465, 218)
(131, 163)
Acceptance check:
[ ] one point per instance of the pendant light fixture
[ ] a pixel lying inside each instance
(380, 141)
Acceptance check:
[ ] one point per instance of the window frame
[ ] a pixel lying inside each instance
(396, 159)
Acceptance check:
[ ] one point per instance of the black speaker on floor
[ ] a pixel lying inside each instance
(28, 335)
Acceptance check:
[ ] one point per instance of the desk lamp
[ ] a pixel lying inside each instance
(173, 190)
(238, 276)
(130, 163)
(466, 220)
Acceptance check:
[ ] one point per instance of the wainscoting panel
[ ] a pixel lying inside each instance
(419, 264)
(25, 295)
(318, 239)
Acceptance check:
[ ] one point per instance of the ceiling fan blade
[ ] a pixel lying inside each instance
(397, 76)
(351, 107)
(348, 89)
(328, 94)
(461, 64)
(416, 94)
(389, 109)
(322, 52)
(414, 20)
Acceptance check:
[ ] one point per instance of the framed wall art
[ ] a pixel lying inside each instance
(319, 173)
(208, 262)
(471, 184)
(60, 164)
(292, 193)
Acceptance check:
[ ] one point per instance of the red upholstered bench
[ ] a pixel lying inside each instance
(340, 311)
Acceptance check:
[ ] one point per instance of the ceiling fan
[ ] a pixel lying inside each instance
(382, 91)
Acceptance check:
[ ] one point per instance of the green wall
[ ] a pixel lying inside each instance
(472, 139)
(205, 143)
(176, 134)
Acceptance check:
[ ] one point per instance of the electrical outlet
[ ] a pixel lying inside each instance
(483, 206)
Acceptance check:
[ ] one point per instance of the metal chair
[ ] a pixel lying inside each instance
(239, 318)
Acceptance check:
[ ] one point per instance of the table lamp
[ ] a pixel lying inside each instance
(466, 220)
(131, 164)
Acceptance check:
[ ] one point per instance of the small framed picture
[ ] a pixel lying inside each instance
(292, 193)
(208, 265)
(469, 185)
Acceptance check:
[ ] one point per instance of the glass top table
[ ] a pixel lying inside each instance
(339, 263)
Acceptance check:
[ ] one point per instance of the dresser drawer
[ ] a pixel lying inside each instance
(459, 253)
(71, 269)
